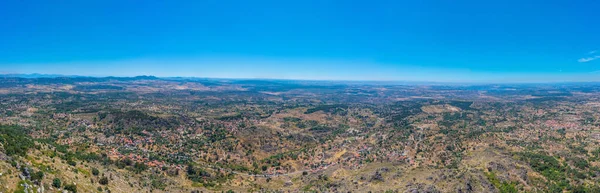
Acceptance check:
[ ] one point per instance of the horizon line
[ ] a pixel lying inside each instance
(41, 75)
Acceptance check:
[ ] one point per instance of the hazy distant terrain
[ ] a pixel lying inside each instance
(149, 134)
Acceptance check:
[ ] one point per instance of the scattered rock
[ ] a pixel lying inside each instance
(421, 188)
(376, 177)
(493, 166)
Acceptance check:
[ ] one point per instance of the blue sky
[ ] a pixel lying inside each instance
(447, 41)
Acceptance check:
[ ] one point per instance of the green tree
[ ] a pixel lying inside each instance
(56, 183)
(95, 171)
(37, 176)
(103, 181)
(139, 167)
(71, 187)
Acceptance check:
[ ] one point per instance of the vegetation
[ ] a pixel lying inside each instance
(95, 171)
(56, 183)
(147, 134)
(14, 140)
(103, 181)
(70, 187)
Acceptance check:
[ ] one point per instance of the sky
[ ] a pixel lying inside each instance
(440, 41)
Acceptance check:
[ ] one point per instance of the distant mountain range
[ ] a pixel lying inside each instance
(36, 75)
(263, 80)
